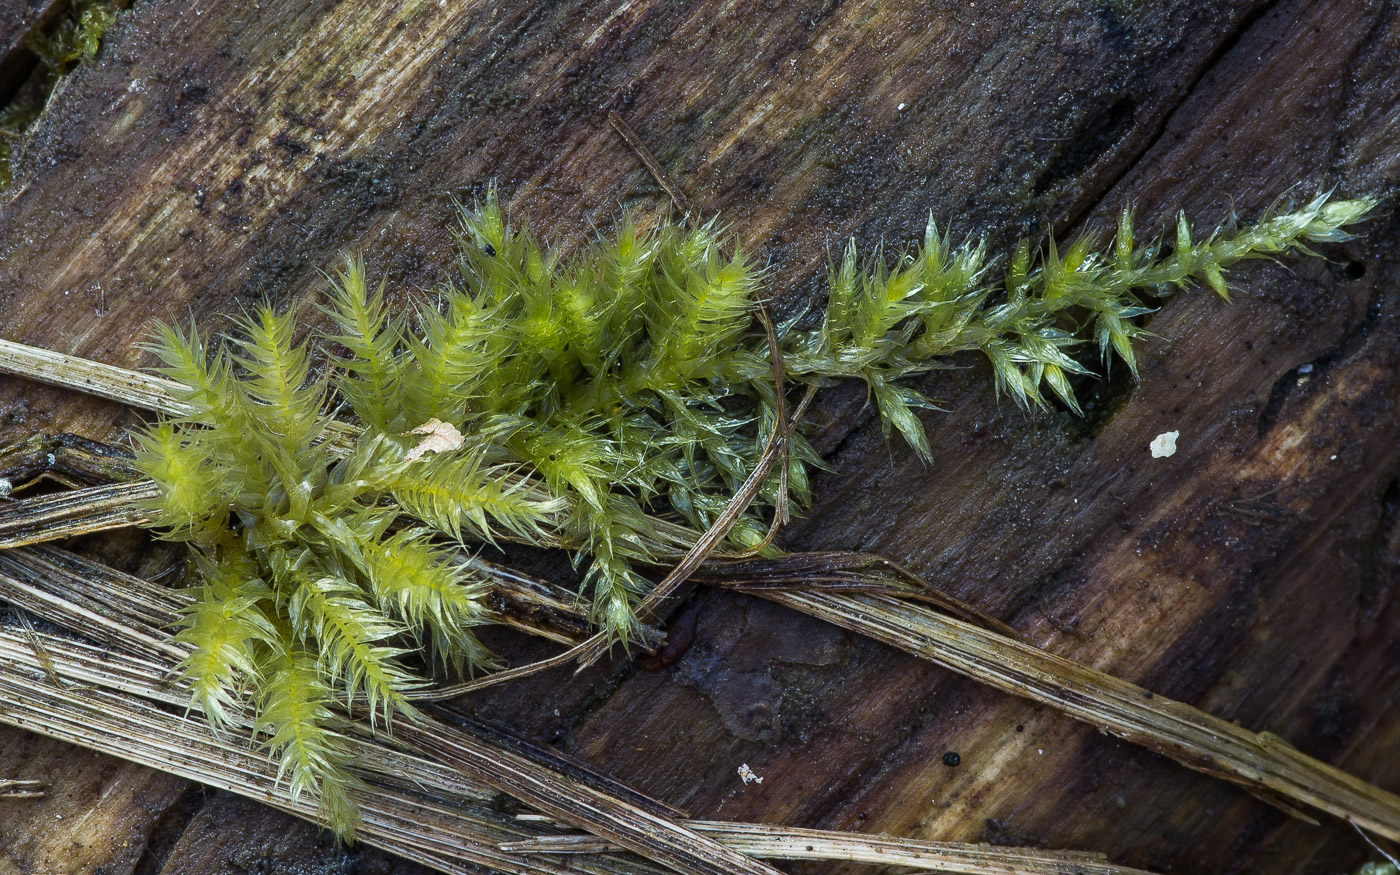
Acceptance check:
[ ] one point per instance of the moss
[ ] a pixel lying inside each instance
(583, 404)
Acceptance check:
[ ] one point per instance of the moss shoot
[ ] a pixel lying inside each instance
(582, 404)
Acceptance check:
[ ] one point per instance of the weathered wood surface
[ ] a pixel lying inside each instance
(215, 153)
(16, 18)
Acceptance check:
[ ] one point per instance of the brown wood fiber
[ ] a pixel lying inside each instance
(215, 153)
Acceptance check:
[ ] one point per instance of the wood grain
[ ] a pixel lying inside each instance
(17, 17)
(217, 153)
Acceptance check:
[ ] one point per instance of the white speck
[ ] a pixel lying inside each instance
(1164, 444)
(747, 775)
(900, 108)
(6, 487)
(1305, 369)
(1041, 752)
(556, 712)
(1334, 457)
(1076, 501)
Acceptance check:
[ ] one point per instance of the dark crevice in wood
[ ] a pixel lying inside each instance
(1380, 560)
(1164, 122)
(1098, 136)
(28, 78)
(850, 432)
(1352, 270)
(16, 69)
(1101, 395)
(1290, 383)
(17, 63)
(169, 827)
(1279, 394)
(680, 635)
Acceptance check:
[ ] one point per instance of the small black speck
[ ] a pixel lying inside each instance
(489, 250)
(809, 848)
(1020, 728)
(951, 759)
(862, 815)
(553, 458)
(1146, 694)
(193, 93)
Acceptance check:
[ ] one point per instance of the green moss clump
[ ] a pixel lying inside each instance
(585, 404)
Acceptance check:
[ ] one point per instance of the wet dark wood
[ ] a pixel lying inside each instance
(17, 17)
(217, 153)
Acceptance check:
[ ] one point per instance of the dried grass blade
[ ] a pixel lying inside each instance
(413, 807)
(94, 378)
(788, 843)
(637, 830)
(75, 512)
(615, 818)
(1186, 734)
(19, 789)
(120, 702)
(18, 587)
(118, 710)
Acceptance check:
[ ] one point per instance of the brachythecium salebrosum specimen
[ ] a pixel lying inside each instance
(567, 403)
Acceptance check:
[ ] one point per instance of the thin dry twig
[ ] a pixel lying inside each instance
(93, 378)
(780, 417)
(649, 161)
(18, 789)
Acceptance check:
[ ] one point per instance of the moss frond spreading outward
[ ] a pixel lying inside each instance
(573, 404)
